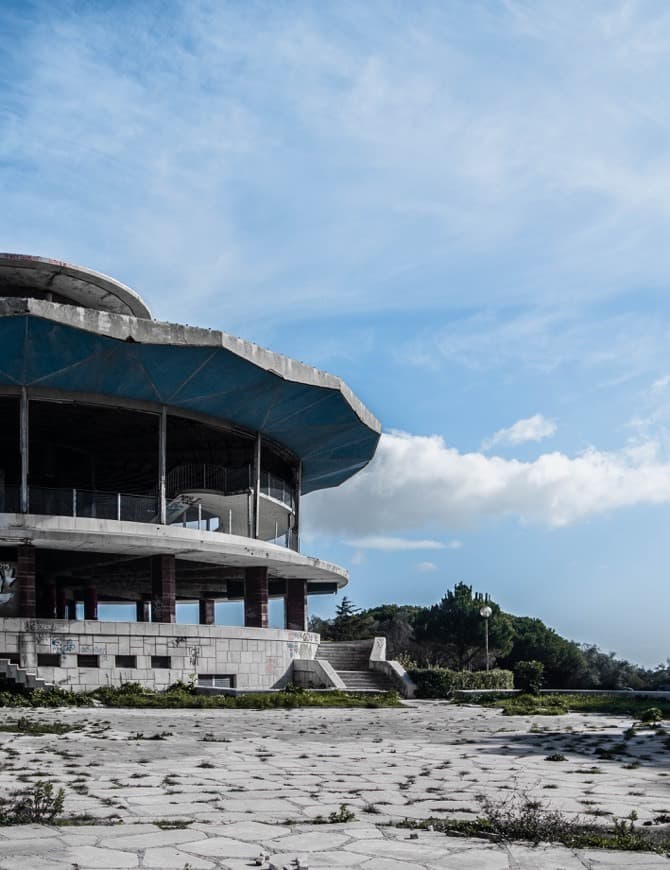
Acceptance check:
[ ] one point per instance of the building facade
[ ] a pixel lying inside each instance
(143, 464)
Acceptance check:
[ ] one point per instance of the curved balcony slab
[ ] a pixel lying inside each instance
(143, 539)
(78, 284)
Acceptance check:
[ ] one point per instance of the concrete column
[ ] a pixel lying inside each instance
(24, 445)
(71, 609)
(142, 610)
(296, 524)
(25, 581)
(162, 465)
(163, 589)
(60, 602)
(90, 603)
(296, 604)
(206, 611)
(256, 598)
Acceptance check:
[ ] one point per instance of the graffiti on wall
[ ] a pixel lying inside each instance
(7, 587)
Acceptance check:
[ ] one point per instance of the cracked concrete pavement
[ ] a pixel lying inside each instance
(191, 789)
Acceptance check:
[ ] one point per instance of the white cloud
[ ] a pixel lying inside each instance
(426, 567)
(533, 428)
(409, 158)
(382, 542)
(418, 482)
(660, 383)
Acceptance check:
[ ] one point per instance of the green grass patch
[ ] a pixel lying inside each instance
(184, 696)
(555, 705)
(30, 727)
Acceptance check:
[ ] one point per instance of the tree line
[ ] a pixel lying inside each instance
(450, 634)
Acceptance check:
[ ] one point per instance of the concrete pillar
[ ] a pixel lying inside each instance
(90, 603)
(256, 598)
(142, 611)
(206, 611)
(163, 589)
(25, 581)
(296, 604)
(61, 606)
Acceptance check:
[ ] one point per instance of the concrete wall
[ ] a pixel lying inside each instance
(391, 669)
(257, 658)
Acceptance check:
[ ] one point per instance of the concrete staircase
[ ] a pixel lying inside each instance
(18, 676)
(350, 659)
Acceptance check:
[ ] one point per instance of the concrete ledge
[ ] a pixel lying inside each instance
(391, 669)
(147, 539)
(397, 674)
(315, 674)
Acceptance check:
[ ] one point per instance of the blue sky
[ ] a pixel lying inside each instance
(460, 207)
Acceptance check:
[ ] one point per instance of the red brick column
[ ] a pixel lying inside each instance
(296, 604)
(90, 603)
(206, 611)
(256, 598)
(25, 581)
(163, 589)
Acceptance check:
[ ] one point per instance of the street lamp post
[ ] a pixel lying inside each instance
(485, 612)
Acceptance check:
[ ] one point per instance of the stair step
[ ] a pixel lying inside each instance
(20, 676)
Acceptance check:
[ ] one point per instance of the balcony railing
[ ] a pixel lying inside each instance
(130, 507)
(92, 503)
(218, 478)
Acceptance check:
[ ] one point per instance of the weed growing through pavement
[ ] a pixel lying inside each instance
(39, 804)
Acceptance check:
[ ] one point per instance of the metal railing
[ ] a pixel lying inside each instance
(130, 507)
(211, 477)
(93, 504)
(218, 478)
(276, 488)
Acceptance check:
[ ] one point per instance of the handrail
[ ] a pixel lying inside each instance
(219, 478)
(132, 507)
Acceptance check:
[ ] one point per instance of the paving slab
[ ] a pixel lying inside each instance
(429, 759)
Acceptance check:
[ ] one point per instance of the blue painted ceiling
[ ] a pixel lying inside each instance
(316, 423)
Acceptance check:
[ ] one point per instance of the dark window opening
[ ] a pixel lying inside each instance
(160, 661)
(13, 657)
(48, 660)
(126, 661)
(217, 681)
(87, 661)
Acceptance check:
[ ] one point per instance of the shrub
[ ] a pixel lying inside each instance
(651, 715)
(441, 682)
(529, 676)
(38, 804)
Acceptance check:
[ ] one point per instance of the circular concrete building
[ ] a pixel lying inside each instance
(146, 463)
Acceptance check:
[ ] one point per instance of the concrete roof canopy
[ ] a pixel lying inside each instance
(96, 348)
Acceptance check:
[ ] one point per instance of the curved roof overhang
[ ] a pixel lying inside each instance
(77, 284)
(315, 415)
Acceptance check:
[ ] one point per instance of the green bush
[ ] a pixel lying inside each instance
(38, 804)
(651, 715)
(529, 676)
(442, 682)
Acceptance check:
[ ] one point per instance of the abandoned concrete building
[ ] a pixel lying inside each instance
(145, 464)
